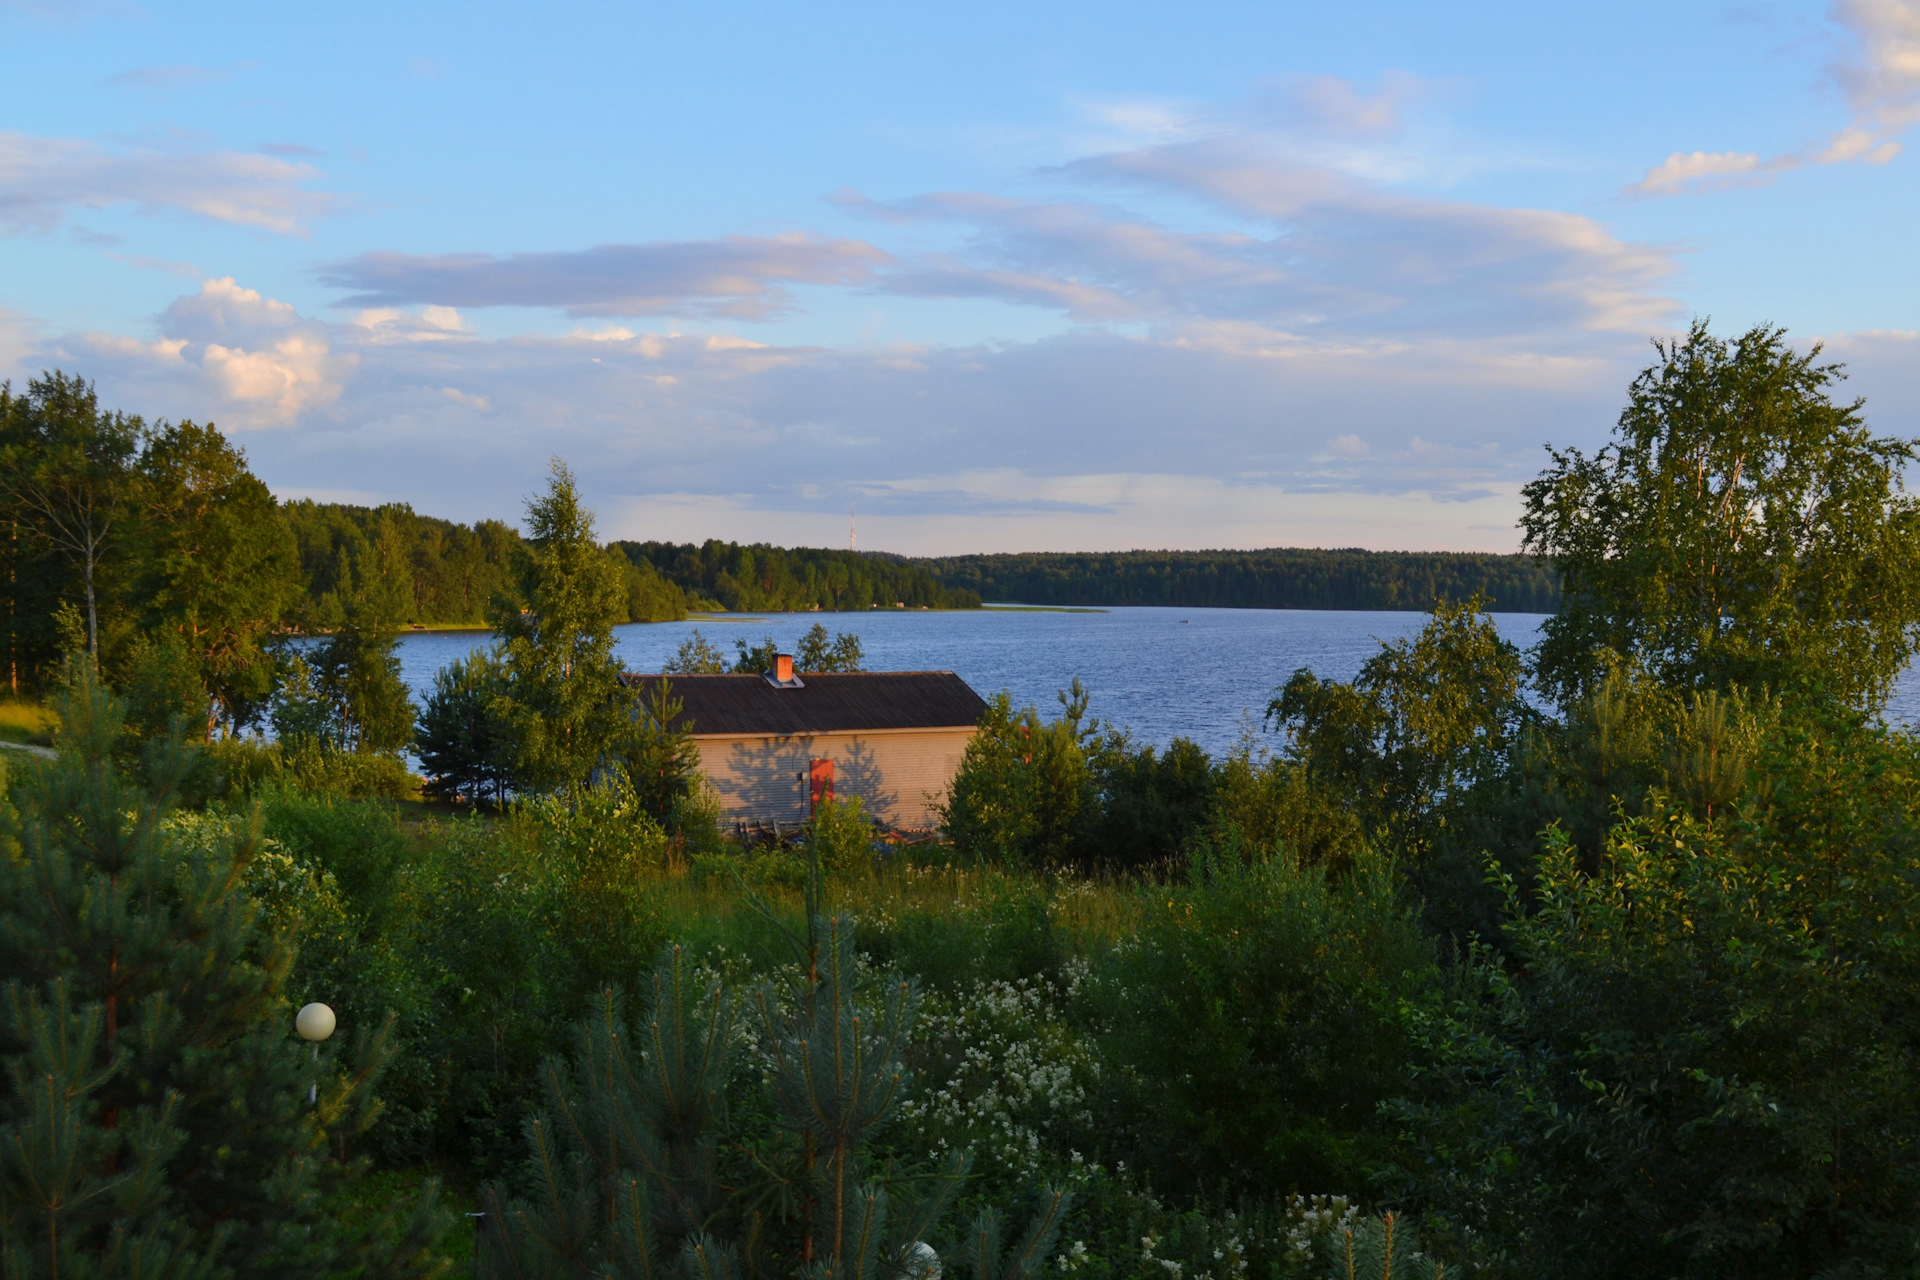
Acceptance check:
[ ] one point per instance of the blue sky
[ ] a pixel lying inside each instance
(1003, 276)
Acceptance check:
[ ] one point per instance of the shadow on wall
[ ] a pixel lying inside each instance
(766, 780)
(857, 773)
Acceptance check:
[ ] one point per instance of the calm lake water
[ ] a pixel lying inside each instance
(1200, 673)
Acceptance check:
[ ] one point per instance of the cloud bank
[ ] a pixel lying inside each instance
(1266, 335)
(44, 179)
(739, 277)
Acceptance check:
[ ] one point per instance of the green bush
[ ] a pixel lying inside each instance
(1704, 1057)
(1253, 1026)
(841, 836)
(1023, 785)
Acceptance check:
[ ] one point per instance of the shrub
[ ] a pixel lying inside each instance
(1023, 786)
(1151, 805)
(1251, 1029)
(1123, 1230)
(1704, 1061)
(955, 926)
(629, 1171)
(841, 836)
(1000, 1075)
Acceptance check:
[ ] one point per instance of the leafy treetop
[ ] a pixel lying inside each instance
(1741, 528)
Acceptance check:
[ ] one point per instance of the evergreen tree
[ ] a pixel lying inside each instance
(564, 704)
(463, 746)
(154, 1115)
(162, 685)
(358, 671)
(630, 1172)
(662, 762)
(300, 711)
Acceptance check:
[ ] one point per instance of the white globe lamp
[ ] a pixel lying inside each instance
(314, 1022)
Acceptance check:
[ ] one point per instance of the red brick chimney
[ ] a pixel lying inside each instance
(783, 668)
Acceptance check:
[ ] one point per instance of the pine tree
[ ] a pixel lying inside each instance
(463, 744)
(154, 1115)
(662, 762)
(565, 704)
(301, 712)
(626, 1176)
(1381, 1248)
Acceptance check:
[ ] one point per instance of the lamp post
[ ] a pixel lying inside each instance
(314, 1022)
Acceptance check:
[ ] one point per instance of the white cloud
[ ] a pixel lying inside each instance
(175, 76)
(1011, 511)
(1323, 358)
(1880, 78)
(1337, 107)
(392, 324)
(226, 353)
(42, 179)
(460, 397)
(1698, 168)
(277, 381)
(1201, 435)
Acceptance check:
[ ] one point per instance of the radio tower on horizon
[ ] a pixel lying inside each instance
(853, 529)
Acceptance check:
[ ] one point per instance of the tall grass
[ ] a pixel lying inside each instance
(29, 722)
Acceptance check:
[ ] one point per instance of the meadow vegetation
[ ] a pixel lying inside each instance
(1596, 961)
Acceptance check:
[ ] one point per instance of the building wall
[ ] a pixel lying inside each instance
(898, 773)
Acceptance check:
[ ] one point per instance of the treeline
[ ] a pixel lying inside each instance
(445, 573)
(154, 549)
(783, 580)
(1273, 578)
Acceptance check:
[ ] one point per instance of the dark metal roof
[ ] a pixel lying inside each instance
(829, 703)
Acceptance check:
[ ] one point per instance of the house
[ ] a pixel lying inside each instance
(774, 744)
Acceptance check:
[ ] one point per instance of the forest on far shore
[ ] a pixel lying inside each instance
(1270, 578)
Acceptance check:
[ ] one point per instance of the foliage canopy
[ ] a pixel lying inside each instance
(1742, 528)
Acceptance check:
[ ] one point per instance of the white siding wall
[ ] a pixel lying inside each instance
(898, 773)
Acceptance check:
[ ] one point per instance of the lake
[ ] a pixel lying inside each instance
(1200, 673)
